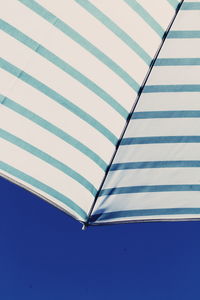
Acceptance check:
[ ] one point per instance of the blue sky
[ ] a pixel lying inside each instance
(44, 255)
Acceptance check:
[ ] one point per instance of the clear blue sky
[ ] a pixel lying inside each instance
(44, 255)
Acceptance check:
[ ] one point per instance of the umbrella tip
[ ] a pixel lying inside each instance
(84, 226)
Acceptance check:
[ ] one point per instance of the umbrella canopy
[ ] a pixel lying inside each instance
(91, 121)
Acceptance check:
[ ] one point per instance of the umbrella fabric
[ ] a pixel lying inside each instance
(156, 172)
(71, 72)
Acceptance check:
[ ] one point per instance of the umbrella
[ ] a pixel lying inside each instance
(100, 106)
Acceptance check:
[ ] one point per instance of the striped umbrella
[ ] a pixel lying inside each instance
(100, 111)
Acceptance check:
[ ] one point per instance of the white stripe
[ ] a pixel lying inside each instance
(168, 101)
(159, 152)
(164, 127)
(189, 20)
(143, 201)
(157, 176)
(175, 75)
(16, 13)
(189, 48)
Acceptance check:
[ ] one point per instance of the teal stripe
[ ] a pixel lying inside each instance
(55, 130)
(1, 98)
(177, 62)
(45, 188)
(76, 37)
(151, 189)
(160, 140)
(121, 34)
(82, 79)
(174, 3)
(177, 88)
(144, 213)
(156, 164)
(191, 6)
(178, 34)
(166, 114)
(49, 160)
(58, 98)
(143, 13)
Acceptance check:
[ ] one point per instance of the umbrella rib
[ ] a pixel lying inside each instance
(132, 111)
